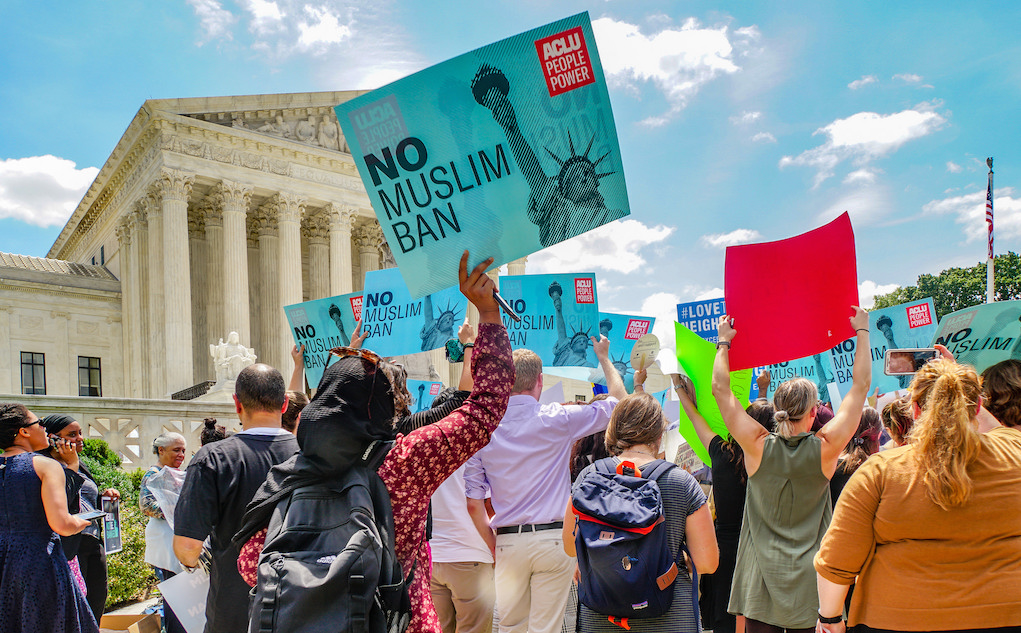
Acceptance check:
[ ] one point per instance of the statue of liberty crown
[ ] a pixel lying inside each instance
(575, 159)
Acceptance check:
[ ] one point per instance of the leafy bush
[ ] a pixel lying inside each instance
(100, 451)
(130, 577)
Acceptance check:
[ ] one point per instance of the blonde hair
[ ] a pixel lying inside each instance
(527, 369)
(793, 400)
(637, 419)
(943, 436)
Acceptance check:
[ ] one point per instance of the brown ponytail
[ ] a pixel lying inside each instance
(793, 400)
(637, 419)
(944, 437)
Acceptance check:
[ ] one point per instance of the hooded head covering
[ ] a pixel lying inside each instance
(353, 408)
(56, 422)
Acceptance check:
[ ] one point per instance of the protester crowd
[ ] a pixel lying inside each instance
(493, 511)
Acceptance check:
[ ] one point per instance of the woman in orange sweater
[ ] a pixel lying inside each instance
(932, 530)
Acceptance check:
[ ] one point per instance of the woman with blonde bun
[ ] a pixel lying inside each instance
(931, 530)
(787, 504)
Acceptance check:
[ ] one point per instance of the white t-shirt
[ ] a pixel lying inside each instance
(455, 539)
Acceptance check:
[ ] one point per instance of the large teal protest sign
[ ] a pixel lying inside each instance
(910, 324)
(816, 368)
(623, 330)
(984, 335)
(422, 394)
(558, 315)
(397, 324)
(504, 151)
(321, 325)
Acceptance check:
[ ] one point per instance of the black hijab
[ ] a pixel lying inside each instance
(56, 422)
(349, 421)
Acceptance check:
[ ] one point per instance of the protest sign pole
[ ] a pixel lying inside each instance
(989, 225)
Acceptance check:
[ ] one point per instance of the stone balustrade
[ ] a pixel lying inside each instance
(129, 425)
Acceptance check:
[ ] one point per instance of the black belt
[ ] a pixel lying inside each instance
(534, 527)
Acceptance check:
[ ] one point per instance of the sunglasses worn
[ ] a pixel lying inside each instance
(365, 354)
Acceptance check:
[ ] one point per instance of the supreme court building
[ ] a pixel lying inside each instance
(209, 216)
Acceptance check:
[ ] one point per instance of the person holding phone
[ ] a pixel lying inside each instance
(66, 441)
(37, 592)
(931, 531)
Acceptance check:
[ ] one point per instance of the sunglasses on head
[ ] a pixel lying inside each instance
(365, 354)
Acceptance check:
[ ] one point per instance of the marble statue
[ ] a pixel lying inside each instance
(230, 358)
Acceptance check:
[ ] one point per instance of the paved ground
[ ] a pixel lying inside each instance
(134, 609)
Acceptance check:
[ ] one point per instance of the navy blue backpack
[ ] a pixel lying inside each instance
(627, 568)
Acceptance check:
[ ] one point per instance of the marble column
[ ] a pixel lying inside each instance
(140, 239)
(255, 296)
(173, 188)
(199, 278)
(128, 271)
(341, 220)
(316, 229)
(265, 223)
(215, 328)
(517, 267)
(10, 380)
(154, 279)
(288, 209)
(233, 199)
(368, 237)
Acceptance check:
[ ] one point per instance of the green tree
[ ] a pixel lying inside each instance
(959, 288)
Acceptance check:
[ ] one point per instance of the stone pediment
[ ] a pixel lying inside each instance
(306, 118)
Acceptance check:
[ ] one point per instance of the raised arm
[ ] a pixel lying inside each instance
(705, 434)
(298, 373)
(466, 334)
(749, 434)
(614, 384)
(61, 521)
(839, 431)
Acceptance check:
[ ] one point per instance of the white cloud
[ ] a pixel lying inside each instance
(953, 167)
(323, 29)
(868, 291)
(864, 81)
(969, 210)
(860, 176)
(764, 137)
(42, 190)
(745, 118)
(214, 19)
(865, 203)
(663, 306)
(678, 61)
(910, 78)
(738, 236)
(615, 247)
(267, 16)
(864, 137)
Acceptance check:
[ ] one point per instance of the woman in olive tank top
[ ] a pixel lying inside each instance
(787, 505)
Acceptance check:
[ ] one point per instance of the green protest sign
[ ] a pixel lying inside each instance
(696, 356)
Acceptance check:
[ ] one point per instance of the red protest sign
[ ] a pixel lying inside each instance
(791, 298)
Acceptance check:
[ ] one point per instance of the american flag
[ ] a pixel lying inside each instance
(989, 210)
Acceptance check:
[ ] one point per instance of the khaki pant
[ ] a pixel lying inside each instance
(533, 578)
(464, 595)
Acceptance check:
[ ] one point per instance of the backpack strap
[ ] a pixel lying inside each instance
(655, 469)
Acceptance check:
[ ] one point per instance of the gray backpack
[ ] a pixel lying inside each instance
(328, 564)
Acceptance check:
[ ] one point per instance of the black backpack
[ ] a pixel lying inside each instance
(328, 564)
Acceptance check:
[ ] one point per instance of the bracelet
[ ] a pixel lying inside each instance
(727, 343)
(467, 345)
(833, 620)
(861, 329)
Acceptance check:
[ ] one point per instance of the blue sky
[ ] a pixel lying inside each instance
(738, 121)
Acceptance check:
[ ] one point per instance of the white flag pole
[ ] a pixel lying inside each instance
(990, 288)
